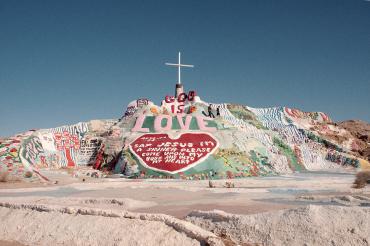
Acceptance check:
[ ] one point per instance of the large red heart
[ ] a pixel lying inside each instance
(161, 153)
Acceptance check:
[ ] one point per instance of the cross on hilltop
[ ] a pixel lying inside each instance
(178, 65)
(179, 86)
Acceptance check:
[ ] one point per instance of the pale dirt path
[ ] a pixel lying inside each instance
(173, 197)
(178, 197)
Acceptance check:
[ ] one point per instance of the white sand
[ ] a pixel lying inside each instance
(310, 225)
(58, 225)
(53, 228)
(141, 212)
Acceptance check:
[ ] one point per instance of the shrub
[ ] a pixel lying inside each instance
(229, 185)
(362, 179)
(28, 174)
(4, 176)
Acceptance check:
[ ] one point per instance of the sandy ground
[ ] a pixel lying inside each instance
(137, 200)
(55, 228)
(310, 225)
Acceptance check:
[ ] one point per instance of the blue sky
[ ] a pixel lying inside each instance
(63, 62)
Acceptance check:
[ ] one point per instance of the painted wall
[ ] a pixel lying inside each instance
(187, 138)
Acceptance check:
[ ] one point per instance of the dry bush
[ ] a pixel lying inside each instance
(229, 185)
(362, 179)
(28, 174)
(228, 241)
(4, 176)
(211, 184)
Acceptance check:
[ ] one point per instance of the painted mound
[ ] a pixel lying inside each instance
(188, 138)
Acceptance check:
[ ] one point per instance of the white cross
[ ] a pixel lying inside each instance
(179, 65)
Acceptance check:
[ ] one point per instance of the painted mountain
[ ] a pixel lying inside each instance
(188, 138)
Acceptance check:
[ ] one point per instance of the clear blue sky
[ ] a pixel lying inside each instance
(63, 62)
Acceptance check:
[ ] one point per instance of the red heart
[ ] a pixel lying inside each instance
(161, 153)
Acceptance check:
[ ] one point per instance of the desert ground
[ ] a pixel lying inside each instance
(310, 208)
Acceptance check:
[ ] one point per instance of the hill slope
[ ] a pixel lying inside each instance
(191, 139)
